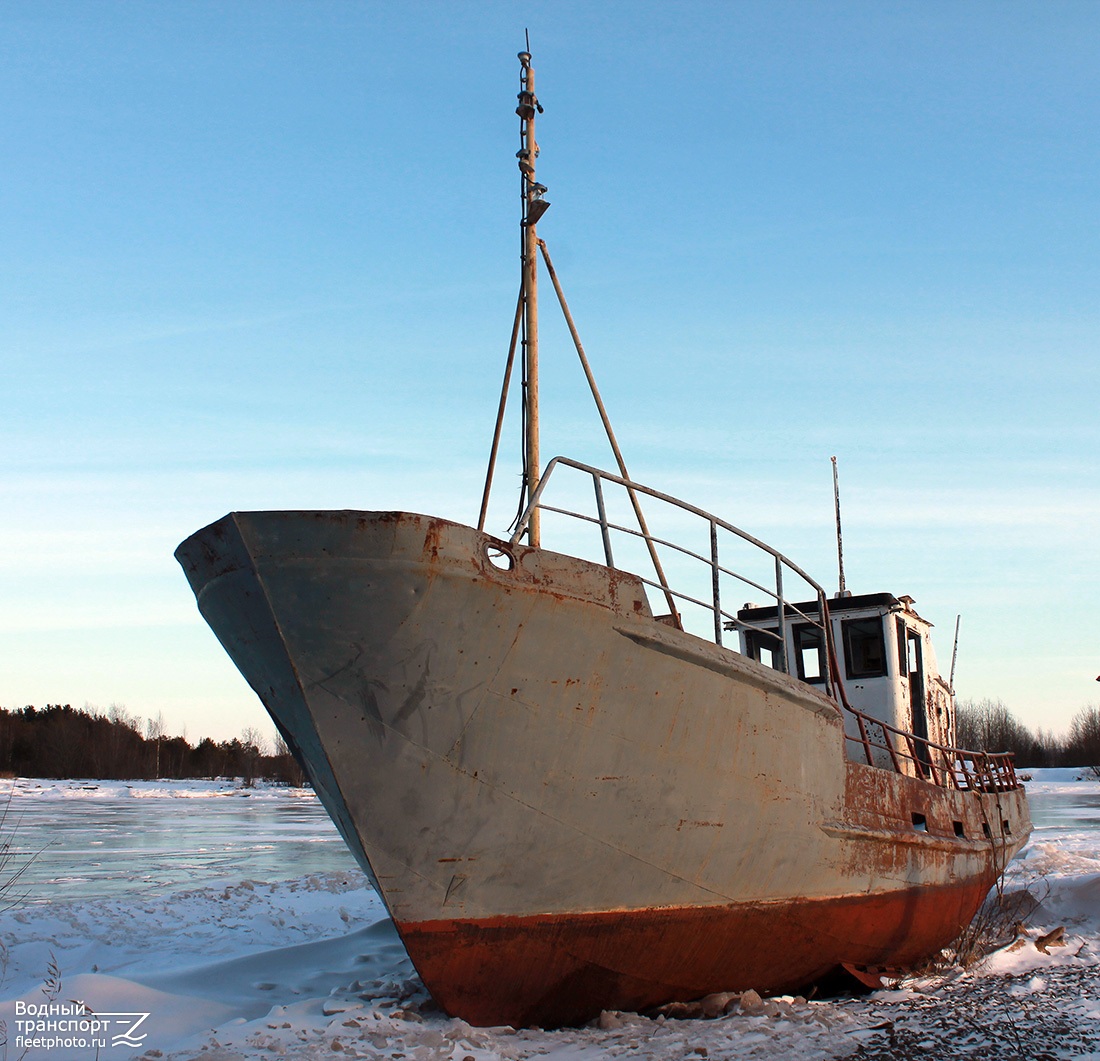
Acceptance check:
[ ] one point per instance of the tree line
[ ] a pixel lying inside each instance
(989, 726)
(61, 741)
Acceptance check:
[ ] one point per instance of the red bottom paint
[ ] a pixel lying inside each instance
(551, 970)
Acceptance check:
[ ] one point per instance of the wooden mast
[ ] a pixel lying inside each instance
(534, 206)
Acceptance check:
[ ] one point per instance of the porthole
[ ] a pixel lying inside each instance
(500, 558)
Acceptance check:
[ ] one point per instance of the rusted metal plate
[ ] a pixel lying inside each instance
(555, 970)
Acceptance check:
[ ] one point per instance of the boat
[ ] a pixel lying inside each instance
(586, 778)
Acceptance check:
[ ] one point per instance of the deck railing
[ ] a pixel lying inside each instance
(710, 600)
(904, 752)
(919, 757)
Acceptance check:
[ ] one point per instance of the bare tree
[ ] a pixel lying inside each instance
(117, 713)
(286, 766)
(154, 731)
(1084, 736)
(253, 747)
(988, 726)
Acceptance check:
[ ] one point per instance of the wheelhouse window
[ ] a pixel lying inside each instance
(763, 647)
(864, 648)
(810, 653)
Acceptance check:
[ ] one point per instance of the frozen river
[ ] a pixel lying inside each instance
(92, 839)
(1064, 813)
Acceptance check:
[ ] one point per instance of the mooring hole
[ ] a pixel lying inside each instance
(500, 558)
(960, 832)
(988, 832)
(920, 823)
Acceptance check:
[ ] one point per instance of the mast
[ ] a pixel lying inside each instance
(843, 591)
(534, 206)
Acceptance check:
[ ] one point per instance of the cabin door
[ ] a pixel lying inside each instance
(912, 663)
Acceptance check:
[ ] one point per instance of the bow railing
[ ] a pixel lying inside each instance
(711, 577)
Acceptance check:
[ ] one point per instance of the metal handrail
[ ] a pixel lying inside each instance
(943, 765)
(606, 526)
(783, 606)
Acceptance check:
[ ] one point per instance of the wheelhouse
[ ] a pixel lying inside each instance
(884, 654)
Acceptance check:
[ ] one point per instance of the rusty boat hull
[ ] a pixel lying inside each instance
(566, 804)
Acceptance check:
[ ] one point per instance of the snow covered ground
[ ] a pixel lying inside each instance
(306, 965)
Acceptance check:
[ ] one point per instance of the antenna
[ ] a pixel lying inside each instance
(842, 592)
(955, 655)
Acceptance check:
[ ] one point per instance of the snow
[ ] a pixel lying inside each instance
(308, 966)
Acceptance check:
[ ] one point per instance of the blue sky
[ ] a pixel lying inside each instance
(264, 255)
